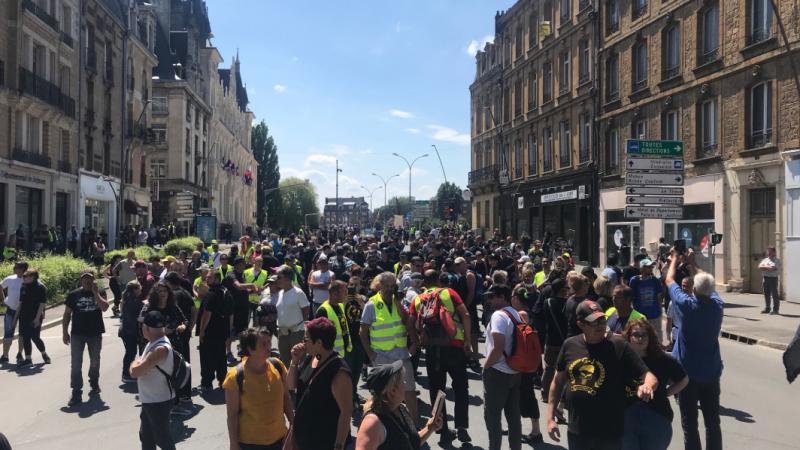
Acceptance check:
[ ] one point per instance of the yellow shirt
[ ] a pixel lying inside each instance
(261, 420)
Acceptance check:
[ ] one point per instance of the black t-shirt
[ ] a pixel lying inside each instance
(31, 296)
(570, 310)
(184, 301)
(215, 303)
(597, 375)
(240, 296)
(269, 262)
(629, 272)
(353, 310)
(555, 320)
(668, 371)
(87, 319)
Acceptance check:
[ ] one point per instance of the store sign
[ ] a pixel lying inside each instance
(559, 196)
(22, 177)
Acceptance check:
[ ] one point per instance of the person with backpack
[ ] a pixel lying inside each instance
(501, 383)
(443, 324)
(256, 395)
(529, 407)
(155, 391)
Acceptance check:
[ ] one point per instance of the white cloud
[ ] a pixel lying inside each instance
(294, 59)
(340, 150)
(319, 159)
(413, 130)
(279, 88)
(475, 46)
(445, 134)
(401, 114)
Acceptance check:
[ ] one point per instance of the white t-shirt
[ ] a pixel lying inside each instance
(153, 385)
(290, 312)
(13, 285)
(320, 295)
(500, 323)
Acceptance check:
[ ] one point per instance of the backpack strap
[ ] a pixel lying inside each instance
(240, 377)
(555, 321)
(513, 332)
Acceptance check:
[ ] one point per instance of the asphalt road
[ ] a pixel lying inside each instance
(759, 407)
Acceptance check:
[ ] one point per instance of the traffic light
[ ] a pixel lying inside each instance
(450, 211)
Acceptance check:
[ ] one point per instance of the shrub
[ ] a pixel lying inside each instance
(174, 246)
(60, 274)
(142, 252)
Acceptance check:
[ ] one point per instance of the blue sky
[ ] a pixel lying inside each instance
(359, 80)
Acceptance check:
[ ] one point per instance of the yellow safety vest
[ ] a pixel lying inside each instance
(224, 270)
(197, 282)
(447, 301)
(339, 320)
(388, 332)
(259, 281)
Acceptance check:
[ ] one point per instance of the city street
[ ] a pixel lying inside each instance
(758, 405)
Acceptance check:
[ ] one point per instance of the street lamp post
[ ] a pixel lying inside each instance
(440, 161)
(385, 182)
(370, 193)
(410, 166)
(126, 166)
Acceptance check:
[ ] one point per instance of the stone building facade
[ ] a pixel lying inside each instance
(532, 125)
(39, 73)
(713, 74)
(350, 212)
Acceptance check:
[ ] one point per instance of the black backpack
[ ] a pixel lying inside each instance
(181, 370)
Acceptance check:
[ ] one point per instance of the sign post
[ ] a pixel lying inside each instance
(653, 169)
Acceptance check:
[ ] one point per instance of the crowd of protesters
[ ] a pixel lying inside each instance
(338, 306)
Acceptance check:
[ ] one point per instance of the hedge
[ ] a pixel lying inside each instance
(60, 274)
(142, 252)
(175, 246)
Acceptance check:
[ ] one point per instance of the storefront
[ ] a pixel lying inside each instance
(26, 199)
(791, 250)
(98, 206)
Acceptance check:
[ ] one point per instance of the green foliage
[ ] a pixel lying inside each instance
(143, 252)
(174, 246)
(397, 205)
(298, 198)
(266, 154)
(448, 195)
(60, 274)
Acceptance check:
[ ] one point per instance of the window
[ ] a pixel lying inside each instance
(583, 61)
(64, 82)
(583, 137)
(760, 113)
(669, 126)
(478, 157)
(33, 144)
(533, 160)
(547, 76)
(612, 16)
(639, 129)
(760, 21)
(159, 134)
(131, 77)
(547, 158)
(707, 124)
(188, 142)
(709, 34)
(159, 105)
(612, 149)
(612, 78)
(639, 65)
(487, 114)
(188, 111)
(638, 8)
(517, 159)
(518, 44)
(109, 62)
(532, 90)
(564, 76)
(671, 45)
(566, 11)
(65, 145)
(564, 145)
(38, 61)
(533, 35)
(66, 20)
(518, 98)
(506, 105)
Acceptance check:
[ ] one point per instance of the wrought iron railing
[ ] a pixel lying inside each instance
(41, 13)
(30, 157)
(483, 175)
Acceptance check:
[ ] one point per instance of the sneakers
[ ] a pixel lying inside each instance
(126, 379)
(20, 358)
(75, 399)
(205, 389)
(185, 400)
(463, 436)
(24, 363)
(46, 358)
(533, 438)
(3, 359)
(765, 311)
(114, 311)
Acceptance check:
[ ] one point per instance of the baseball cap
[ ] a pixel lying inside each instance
(213, 241)
(588, 272)
(500, 290)
(154, 319)
(380, 376)
(272, 279)
(589, 311)
(169, 258)
(172, 277)
(87, 273)
(647, 262)
(140, 263)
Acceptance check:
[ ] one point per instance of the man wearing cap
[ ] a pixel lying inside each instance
(150, 369)
(318, 282)
(595, 367)
(648, 295)
(84, 307)
(239, 289)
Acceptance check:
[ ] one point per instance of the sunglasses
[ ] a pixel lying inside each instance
(639, 335)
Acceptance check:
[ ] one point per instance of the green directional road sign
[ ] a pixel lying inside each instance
(654, 148)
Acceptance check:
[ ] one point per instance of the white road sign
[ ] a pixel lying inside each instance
(659, 164)
(639, 190)
(643, 200)
(654, 179)
(653, 212)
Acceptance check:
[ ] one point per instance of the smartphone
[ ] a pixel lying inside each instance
(680, 246)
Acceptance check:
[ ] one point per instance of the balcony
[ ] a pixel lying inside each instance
(34, 158)
(67, 39)
(759, 139)
(36, 86)
(670, 73)
(484, 176)
(67, 104)
(759, 35)
(64, 166)
(40, 12)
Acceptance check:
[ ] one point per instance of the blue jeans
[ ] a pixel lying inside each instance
(707, 394)
(645, 429)
(8, 323)
(76, 345)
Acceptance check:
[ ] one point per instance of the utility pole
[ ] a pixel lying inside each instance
(440, 162)
(337, 190)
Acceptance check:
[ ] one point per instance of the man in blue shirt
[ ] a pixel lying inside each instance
(612, 271)
(698, 319)
(648, 293)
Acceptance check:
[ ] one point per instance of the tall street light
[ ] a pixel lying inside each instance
(440, 161)
(385, 182)
(370, 194)
(410, 165)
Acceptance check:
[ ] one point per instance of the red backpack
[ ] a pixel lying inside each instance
(434, 322)
(526, 351)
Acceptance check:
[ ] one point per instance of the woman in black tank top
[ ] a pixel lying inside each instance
(387, 424)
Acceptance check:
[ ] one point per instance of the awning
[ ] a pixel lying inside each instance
(130, 207)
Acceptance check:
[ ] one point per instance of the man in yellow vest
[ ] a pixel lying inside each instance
(333, 310)
(445, 351)
(385, 331)
(258, 278)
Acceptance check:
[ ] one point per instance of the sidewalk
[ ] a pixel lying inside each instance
(744, 322)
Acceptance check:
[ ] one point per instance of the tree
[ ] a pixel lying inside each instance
(397, 205)
(265, 153)
(448, 197)
(297, 198)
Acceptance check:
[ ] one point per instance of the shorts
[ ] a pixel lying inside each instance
(8, 323)
(408, 370)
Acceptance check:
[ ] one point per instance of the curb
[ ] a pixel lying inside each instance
(753, 341)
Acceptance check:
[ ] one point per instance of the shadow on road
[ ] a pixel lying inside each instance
(27, 371)
(215, 397)
(740, 416)
(94, 405)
